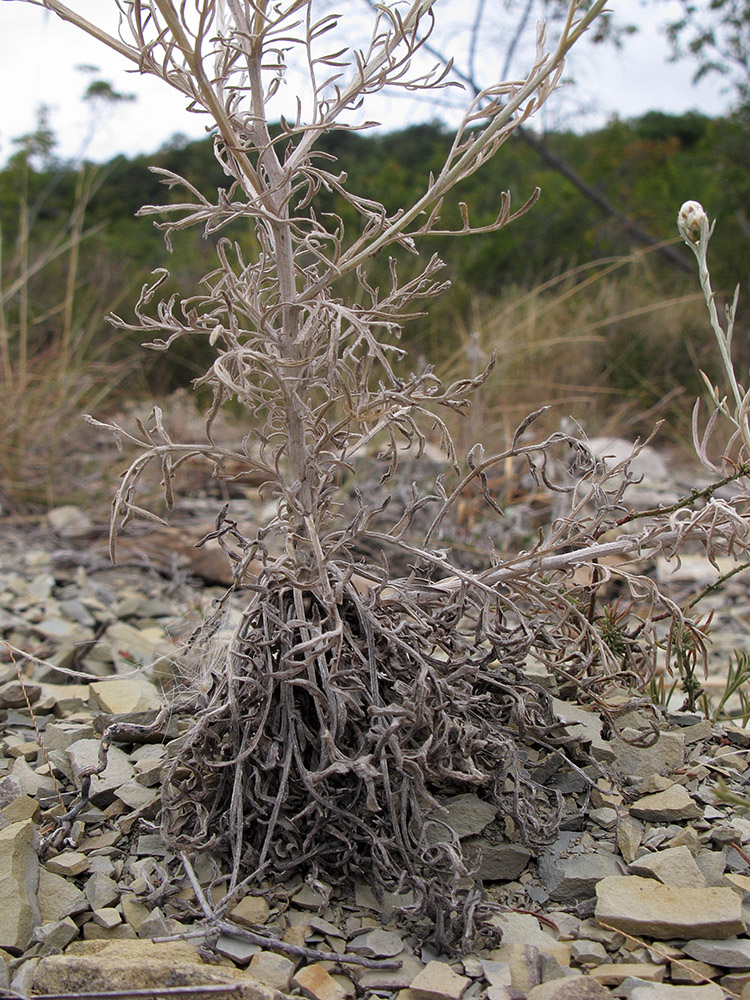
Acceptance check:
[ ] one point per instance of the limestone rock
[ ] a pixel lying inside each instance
(438, 981)
(377, 943)
(19, 877)
(731, 953)
(389, 979)
(629, 835)
(524, 963)
(614, 973)
(495, 862)
(112, 965)
(250, 911)
(68, 864)
(587, 726)
(318, 984)
(101, 891)
(126, 695)
(674, 866)
(467, 815)
(641, 762)
(58, 897)
(85, 753)
(661, 992)
(524, 928)
(69, 522)
(574, 878)
(664, 807)
(572, 988)
(588, 952)
(273, 970)
(642, 906)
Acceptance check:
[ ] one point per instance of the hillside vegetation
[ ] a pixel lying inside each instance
(578, 313)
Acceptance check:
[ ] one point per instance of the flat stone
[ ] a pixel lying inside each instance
(712, 865)
(272, 970)
(629, 835)
(495, 862)
(136, 795)
(572, 988)
(467, 815)
(85, 753)
(389, 979)
(614, 973)
(574, 878)
(250, 911)
(69, 521)
(309, 898)
(108, 917)
(318, 984)
(524, 963)
(68, 864)
(731, 953)
(58, 897)
(586, 725)
(691, 972)
(125, 695)
(14, 694)
(643, 906)
(524, 928)
(687, 837)
(19, 876)
(663, 992)
(641, 762)
(56, 936)
(377, 944)
(129, 965)
(101, 891)
(438, 981)
(665, 807)
(588, 952)
(674, 866)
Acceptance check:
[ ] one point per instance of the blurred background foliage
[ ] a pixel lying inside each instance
(579, 314)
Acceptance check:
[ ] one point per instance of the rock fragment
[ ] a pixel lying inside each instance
(19, 877)
(665, 807)
(272, 970)
(573, 988)
(645, 907)
(438, 981)
(675, 866)
(466, 815)
(730, 953)
(315, 982)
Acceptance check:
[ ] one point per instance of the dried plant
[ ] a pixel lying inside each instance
(351, 697)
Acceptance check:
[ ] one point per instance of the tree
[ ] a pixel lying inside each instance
(715, 34)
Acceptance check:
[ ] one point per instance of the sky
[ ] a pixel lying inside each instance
(42, 56)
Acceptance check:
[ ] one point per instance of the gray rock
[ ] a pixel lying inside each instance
(643, 906)
(101, 891)
(587, 725)
(573, 988)
(55, 937)
(712, 864)
(438, 981)
(58, 897)
(69, 522)
(664, 807)
(654, 991)
(675, 866)
(377, 943)
(124, 695)
(641, 762)
(731, 953)
(19, 878)
(629, 835)
(272, 970)
(523, 961)
(495, 862)
(588, 952)
(467, 815)
(389, 979)
(85, 753)
(574, 878)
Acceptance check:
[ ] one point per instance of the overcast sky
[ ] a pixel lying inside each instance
(40, 56)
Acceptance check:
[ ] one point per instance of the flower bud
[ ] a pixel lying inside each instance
(691, 221)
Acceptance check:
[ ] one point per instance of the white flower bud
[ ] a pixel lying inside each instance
(691, 221)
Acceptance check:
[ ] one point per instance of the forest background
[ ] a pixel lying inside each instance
(582, 312)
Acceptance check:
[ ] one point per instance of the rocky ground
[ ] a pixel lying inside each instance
(645, 894)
